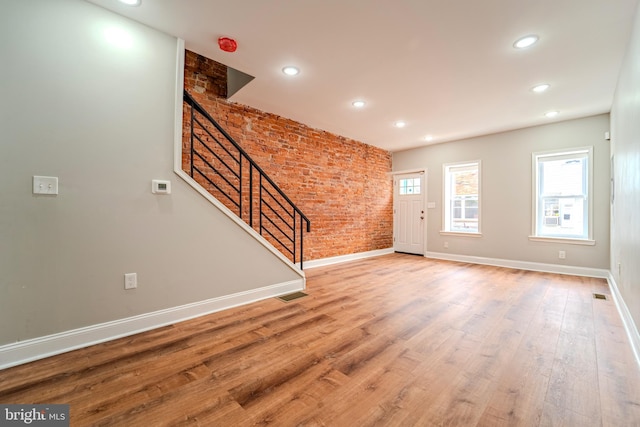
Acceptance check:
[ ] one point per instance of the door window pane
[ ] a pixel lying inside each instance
(409, 186)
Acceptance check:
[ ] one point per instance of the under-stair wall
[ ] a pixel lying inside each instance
(101, 118)
(342, 185)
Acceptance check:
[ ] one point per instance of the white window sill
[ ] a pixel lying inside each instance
(459, 233)
(587, 242)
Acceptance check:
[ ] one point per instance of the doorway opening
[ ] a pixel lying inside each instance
(409, 213)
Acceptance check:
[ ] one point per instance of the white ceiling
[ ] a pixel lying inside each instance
(446, 67)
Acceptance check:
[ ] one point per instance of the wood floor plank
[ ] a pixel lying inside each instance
(519, 397)
(617, 376)
(553, 416)
(394, 340)
(353, 403)
(573, 385)
(292, 407)
(461, 403)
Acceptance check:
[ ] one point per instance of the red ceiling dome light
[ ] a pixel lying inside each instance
(227, 44)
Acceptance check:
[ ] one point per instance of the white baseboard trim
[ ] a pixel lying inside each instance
(50, 345)
(523, 265)
(345, 258)
(627, 320)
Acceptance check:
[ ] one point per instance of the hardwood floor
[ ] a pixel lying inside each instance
(396, 340)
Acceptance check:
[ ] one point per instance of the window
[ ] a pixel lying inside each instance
(409, 186)
(462, 197)
(562, 194)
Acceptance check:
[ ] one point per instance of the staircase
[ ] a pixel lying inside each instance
(218, 163)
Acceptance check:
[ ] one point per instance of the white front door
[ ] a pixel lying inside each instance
(408, 213)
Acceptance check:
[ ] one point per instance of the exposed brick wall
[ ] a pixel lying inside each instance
(342, 185)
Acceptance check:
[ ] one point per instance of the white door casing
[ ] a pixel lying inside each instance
(409, 213)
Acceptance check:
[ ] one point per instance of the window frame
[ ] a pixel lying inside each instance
(446, 199)
(536, 234)
(413, 186)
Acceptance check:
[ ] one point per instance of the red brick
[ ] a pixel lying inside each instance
(343, 186)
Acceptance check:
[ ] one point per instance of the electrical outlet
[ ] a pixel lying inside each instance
(562, 254)
(446, 245)
(130, 280)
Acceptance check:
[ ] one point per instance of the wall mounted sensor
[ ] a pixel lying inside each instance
(159, 186)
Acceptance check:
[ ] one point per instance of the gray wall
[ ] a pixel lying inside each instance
(625, 149)
(101, 118)
(506, 192)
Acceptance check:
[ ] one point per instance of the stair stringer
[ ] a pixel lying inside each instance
(214, 201)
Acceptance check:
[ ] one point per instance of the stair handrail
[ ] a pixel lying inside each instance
(262, 174)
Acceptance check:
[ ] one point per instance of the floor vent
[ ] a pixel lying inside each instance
(600, 296)
(290, 297)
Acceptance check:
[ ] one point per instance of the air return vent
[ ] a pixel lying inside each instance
(290, 297)
(600, 296)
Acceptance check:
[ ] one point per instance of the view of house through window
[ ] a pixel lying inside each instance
(562, 194)
(462, 197)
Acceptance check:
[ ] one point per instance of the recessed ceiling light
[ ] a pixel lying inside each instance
(541, 88)
(551, 114)
(290, 70)
(525, 42)
(428, 138)
(131, 2)
(358, 104)
(399, 124)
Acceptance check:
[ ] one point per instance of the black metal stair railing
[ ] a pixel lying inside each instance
(218, 163)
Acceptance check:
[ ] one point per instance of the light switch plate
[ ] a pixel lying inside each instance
(45, 185)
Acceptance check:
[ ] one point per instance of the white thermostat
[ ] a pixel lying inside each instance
(159, 186)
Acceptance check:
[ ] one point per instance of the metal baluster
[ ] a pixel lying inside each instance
(274, 218)
(192, 151)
